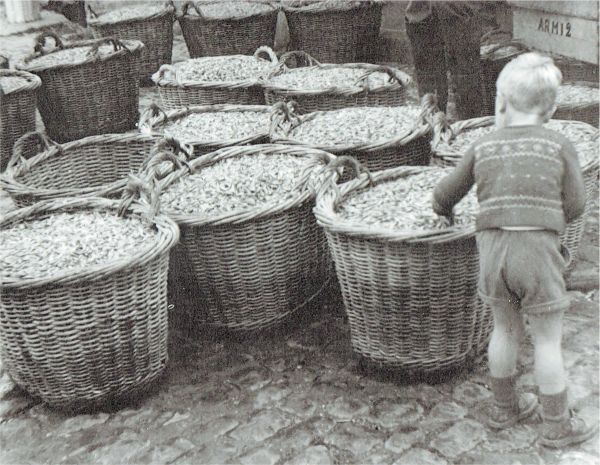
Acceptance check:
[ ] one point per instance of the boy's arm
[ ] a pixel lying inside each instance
(573, 195)
(455, 186)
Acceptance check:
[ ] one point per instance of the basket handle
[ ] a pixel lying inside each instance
(93, 14)
(305, 58)
(442, 130)
(167, 149)
(508, 40)
(42, 143)
(269, 51)
(144, 190)
(394, 75)
(186, 6)
(333, 168)
(163, 70)
(116, 43)
(284, 117)
(429, 109)
(40, 42)
(153, 111)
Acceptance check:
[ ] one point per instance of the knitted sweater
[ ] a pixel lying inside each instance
(525, 176)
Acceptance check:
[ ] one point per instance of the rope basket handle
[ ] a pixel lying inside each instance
(442, 130)
(334, 171)
(186, 6)
(508, 41)
(165, 71)
(166, 149)
(398, 76)
(93, 14)
(305, 57)
(284, 117)
(40, 42)
(150, 117)
(116, 43)
(270, 53)
(42, 141)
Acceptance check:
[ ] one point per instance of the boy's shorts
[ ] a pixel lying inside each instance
(522, 268)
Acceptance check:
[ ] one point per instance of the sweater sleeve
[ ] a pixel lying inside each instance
(455, 185)
(573, 194)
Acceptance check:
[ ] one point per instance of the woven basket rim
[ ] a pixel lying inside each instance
(329, 196)
(264, 210)
(482, 121)
(580, 105)
(167, 236)
(195, 17)
(151, 127)
(160, 79)
(134, 47)
(278, 136)
(10, 182)
(168, 9)
(317, 7)
(31, 81)
(336, 90)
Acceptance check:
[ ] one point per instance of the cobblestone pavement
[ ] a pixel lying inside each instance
(297, 395)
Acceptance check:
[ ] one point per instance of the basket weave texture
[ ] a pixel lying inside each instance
(96, 96)
(17, 112)
(154, 120)
(580, 111)
(413, 147)
(155, 31)
(238, 35)
(89, 167)
(332, 35)
(254, 268)
(341, 96)
(84, 338)
(571, 237)
(411, 298)
(175, 93)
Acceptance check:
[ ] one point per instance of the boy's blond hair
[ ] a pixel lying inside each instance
(530, 83)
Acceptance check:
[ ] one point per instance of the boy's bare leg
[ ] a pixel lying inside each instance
(504, 343)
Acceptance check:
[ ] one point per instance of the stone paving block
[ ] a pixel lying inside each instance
(217, 428)
(402, 441)
(513, 458)
(261, 426)
(471, 394)
(578, 458)
(422, 457)
(262, 456)
(394, 413)
(300, 404)
(460, 438)
(517, 438)
(343, 408)
(271, 395)
(315, 455)
(220, 451)
(354, 438)
(292, 440)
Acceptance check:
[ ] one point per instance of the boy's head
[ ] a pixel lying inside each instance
(529, 84)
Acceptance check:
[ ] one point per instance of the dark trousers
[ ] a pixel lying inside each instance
(447, 41)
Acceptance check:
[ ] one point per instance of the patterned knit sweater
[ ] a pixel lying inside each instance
(525, 176)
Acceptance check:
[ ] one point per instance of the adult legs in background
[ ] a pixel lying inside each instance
(429, 58)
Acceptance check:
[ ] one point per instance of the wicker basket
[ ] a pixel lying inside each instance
(79, 339)
(154, 30)
(154, 120)
(332, 33)
(408, 147)
(411, 297)
(237, 35)
(571, 238)
(575, 70)
(17, 111)
(368, 42)
(176, 94)
(89, 167)
(497, 49)
(96, 96)
(254, 268)
(346, 94)
(580, 111)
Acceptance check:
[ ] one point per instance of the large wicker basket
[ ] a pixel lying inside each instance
(411, 297)
(154, 30)
(346, 94)
(154, 120)
(17, 111)
(444, 155)
(254, 267)
(367, 43)
(89, 167)
(408, 147)
(98, 95)
(83, 338)
(332, 32)
(497, 49)
(236, 35)
(175, 93)
(586, 111)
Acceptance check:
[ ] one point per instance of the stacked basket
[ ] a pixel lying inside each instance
(450, 143)
(579, 101)
(152, 25)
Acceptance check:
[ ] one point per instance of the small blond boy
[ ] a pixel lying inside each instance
(529, 185)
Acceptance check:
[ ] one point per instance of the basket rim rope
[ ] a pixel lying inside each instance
(302, 193)
(508, 41)
(323, 7)
(398, 78)
(167, 74)
(155, 117)
(120, 46)
(284, 119)
(445, 132)
(199, 16)
(96, 20)
(30, 81)
(579, 105)
(146, 206)
(330, 195)
(18, 165)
